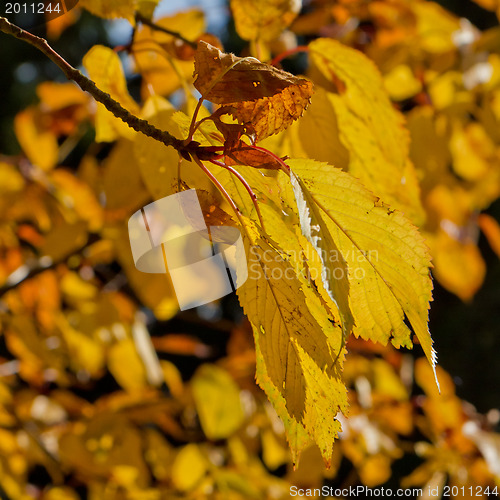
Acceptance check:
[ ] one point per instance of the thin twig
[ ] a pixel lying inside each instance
(247, 186)
(144, 20)
(220, 187)
(89, 86)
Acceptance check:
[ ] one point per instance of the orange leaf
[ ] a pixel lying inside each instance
(491, 229)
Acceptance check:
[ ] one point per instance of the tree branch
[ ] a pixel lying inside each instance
(147, 22)
(89, 86)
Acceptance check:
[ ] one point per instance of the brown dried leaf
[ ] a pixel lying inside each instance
(268, 116)
(224, 78)
(213, 214)
(238, 152)
(259, 96)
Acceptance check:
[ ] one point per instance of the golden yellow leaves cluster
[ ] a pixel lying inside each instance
(443, 71)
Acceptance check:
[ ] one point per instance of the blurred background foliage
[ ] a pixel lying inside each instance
(86, 408)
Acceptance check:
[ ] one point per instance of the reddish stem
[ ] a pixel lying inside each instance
(284, 166)
(219, 186)
(287, 53)
(247, 186)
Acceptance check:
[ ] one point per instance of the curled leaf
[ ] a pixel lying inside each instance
(261, 97)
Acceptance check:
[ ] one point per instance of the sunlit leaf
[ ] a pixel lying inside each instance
(298, 344)
(387, 259)
(189, 467)
(118, 8)
(155, 52)
(38, 142)
(262, 19)
(105, 69)
(370, 130)
(217, 401)
(126, 366)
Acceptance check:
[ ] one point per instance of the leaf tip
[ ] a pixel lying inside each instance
(434, 364)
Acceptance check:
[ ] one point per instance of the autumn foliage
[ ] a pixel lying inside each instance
(353, 185)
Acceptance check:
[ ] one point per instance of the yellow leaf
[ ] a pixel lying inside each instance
(263, 19)
(334, 272)
(103, 443)
(217, 399)
(368, 126)
(298, 345)
(429, 148)
(401, 83)
(172, 377)
(78, 196)
(189, 23)
(296, 433)
(37, 140)
(11, 181)
(424, 379)
(60, 493)
(435, 28)
(126, 366)
(189, 468)
(472, 150)
(458, 265)
(85, 353)
(159, 165)
(105, 69)
(387, 381)
(387, 259)
(154, 52)
(56, 96)
(117, 8)
(75, 287)
(375, 470)
(154, 290)
(238, 484)
(64, 239)
(121, 182)
(446, 90)
(297, 339)
(273, 453)
(319, 132)
(24, 341)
